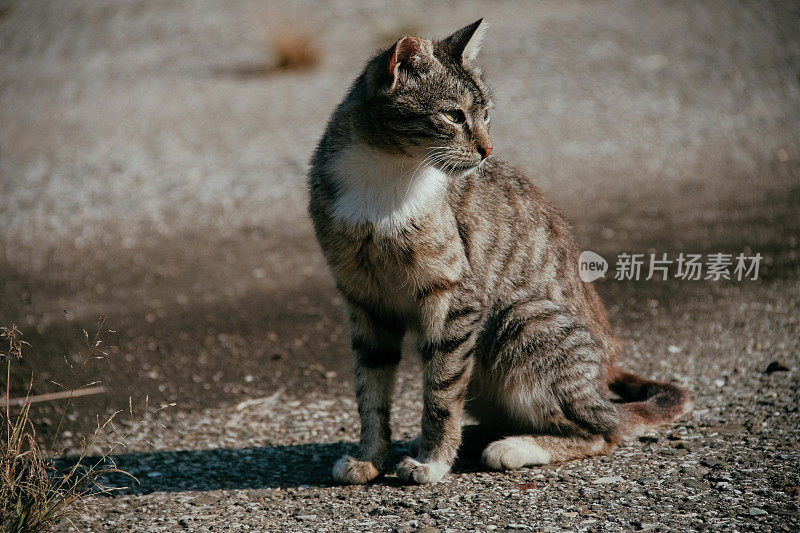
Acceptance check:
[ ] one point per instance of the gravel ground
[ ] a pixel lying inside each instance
(145, 178)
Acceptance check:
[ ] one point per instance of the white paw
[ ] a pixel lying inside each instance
(412, 471)
(354, 472)
(514, 452)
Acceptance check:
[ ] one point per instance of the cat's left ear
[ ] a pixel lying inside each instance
(409, 54)
(466, 42)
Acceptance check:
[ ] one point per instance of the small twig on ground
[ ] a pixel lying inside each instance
(50, 396)
(267, 400)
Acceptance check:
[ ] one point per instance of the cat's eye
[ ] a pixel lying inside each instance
(486, 117)
(456, 116)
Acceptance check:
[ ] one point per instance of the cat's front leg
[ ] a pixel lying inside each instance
(376, 348)
(448, 362)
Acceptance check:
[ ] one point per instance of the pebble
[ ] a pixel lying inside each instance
(687, 445)
(776, 366)
(608, 480)
(755, 511)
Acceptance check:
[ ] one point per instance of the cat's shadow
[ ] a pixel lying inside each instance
(297, 466)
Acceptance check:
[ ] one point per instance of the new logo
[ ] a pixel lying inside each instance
(591, 266)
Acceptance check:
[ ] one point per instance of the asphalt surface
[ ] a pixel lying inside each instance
(147, 176)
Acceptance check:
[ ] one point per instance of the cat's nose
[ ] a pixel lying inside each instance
(485, 150)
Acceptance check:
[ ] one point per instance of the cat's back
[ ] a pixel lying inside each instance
(520, 246)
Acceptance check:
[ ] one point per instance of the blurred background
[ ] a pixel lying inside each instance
(152, 171)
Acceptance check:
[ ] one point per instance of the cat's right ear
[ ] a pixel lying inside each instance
(408, 54)
(466, 42)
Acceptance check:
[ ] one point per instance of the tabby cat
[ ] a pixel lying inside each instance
(425, 233)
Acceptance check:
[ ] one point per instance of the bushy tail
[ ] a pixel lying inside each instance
(646, 403)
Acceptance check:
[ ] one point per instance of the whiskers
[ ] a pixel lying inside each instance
(436, 155)
(447, 159)
(482, 167)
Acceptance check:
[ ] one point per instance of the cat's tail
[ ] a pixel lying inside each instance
(646, 403)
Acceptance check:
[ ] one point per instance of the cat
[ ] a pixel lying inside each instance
(425, 232)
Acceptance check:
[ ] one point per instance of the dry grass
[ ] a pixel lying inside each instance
(34, 494)
(291, 51)
(11, 336)
(295, 51)
(6, 8)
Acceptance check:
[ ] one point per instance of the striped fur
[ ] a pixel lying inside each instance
(424, 234)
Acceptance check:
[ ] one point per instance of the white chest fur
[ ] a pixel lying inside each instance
(386, 190)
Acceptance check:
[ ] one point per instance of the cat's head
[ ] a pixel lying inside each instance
(427, 99)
